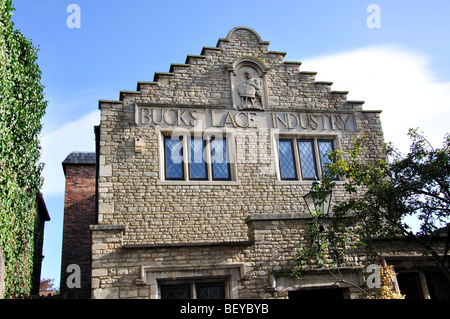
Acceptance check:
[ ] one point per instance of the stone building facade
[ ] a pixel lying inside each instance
(202, 172)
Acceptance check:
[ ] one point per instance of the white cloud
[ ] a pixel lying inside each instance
(398, 82)
(56, 145)
(394, 80)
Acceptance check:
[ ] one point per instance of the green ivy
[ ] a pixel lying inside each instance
(22, 106)
(325, 247)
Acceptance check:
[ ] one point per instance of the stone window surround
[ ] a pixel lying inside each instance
(231, 140)
(418, 264)
(230, 137)
(352, 277)
(193, 285)
(316, 137)
(230, 273)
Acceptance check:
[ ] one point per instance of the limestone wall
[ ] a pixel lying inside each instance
(171, 223)
(131, 190)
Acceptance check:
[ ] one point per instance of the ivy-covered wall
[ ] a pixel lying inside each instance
(22, 106)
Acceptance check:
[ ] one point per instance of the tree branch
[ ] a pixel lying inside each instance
(341, 279)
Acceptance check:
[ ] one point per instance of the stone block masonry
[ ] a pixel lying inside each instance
(132, 189)
(239, 232)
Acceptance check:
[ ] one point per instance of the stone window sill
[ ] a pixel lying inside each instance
(198, 183)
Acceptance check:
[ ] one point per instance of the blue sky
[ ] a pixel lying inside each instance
(401, 68)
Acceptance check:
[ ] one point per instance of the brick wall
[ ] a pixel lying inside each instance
(79, 214)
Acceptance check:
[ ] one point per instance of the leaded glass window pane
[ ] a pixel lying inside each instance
(197, 164)
(287, 163)
(307, 159)
(210, 291)
(175, 292)
(325, 147)
(173, 158)
(220, 166)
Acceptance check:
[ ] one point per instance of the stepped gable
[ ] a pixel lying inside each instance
(211, 79)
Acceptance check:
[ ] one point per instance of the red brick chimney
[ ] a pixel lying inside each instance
(79, 214)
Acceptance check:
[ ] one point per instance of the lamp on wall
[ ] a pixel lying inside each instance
(318, 201)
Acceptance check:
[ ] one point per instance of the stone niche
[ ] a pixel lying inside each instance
(248, 84)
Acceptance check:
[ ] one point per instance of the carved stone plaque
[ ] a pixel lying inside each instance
(248, 84)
